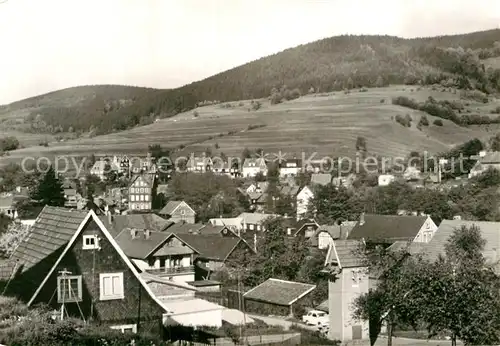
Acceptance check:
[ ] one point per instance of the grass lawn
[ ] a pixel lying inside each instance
(324, 123)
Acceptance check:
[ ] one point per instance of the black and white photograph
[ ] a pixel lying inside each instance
(236, 172)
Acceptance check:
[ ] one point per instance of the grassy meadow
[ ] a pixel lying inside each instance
(326, 123)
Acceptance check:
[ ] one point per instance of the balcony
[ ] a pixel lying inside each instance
(171, 271)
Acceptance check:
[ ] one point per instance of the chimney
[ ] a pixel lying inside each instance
(146, 233)
(255, 242)
(133, 233)
(362, 219)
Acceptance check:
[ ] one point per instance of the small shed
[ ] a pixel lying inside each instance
(276, 297)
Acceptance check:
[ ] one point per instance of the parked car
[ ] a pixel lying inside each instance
(315, 318)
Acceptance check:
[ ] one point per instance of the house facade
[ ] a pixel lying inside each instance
(179, 211)
(289, 168)
(348, 280)
(303, 200)
(159, 253)
(95, 281)
(254, 166)
(140, 192)
(485, 161)
(199, 164)
(385, 179)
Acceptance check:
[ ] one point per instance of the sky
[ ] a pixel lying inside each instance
(46, 45)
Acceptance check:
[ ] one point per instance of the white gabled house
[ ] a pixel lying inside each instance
(303, 200)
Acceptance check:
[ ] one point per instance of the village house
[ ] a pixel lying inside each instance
(349, 279)
(489, 232)
(199, 164)
(142, 165)
(141, 192)
(485, 160)
(278, 297)
(304, 227)
(324, 235)
(71, 197)
(70, 261)
(254, 221)
(385, 179)
(304, 198)
(289, 168)
(159, 253)
(102, 167)
(254, 166)
(198, 228)
(235, 224)
(122, 163)
(321, 179)
(225, 167)
(412, 173)
(346, 181)
(387, 229)
(117, 223)
(316, 166)
(178, 211)
(213, 251)
(8, 206)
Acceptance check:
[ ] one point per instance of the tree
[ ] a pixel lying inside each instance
(9, 143)
(387, 303)
(50, 191)
(361, 144)
(379, 82)
(331, 203)
(495, 142)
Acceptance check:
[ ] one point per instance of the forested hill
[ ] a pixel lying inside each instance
(330, 64)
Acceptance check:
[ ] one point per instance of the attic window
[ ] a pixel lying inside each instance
(183, 212)
(90, 242)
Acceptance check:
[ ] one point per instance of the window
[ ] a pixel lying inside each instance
(251, 227)
(111, 286)
(183, 212)
(132, 198)
(146, 190)
(132, 190)
(141, 197)
(69, 288)
(258, 227)
(141, 190)
(146, 198)
(90, 242)
(126, 328)
(356, 278)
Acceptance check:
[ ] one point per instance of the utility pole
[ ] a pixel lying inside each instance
(64, 273)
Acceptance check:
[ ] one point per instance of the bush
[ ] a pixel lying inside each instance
(475, 95)
(382, 100)
(9, 143)
(423, 121)
(405, 102)
(405, 121)
(196, 114)
(496, 110)
(438, 122)
(256, 105)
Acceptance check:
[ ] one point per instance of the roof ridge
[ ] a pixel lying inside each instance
(290, 282)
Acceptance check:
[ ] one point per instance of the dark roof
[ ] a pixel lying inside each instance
(388, 227)
(7, 269)
(324, 306)
(279, 292)
(210, 246)
(305, 222)
(185, 228)
(140, 247)
(211, 229)
(346, 254)
(411, 247)
(149, 221)
(170, 207)
(52, 230)
(490, 231)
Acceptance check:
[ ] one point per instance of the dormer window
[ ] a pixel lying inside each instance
(90, 242)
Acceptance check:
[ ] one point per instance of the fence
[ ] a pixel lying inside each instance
(230, 299)
(273, 339)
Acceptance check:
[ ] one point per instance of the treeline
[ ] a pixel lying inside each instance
(324, 65)
(446, 110)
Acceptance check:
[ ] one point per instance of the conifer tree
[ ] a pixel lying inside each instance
(50, 190)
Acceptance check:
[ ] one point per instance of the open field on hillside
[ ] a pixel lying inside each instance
(324, 123)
